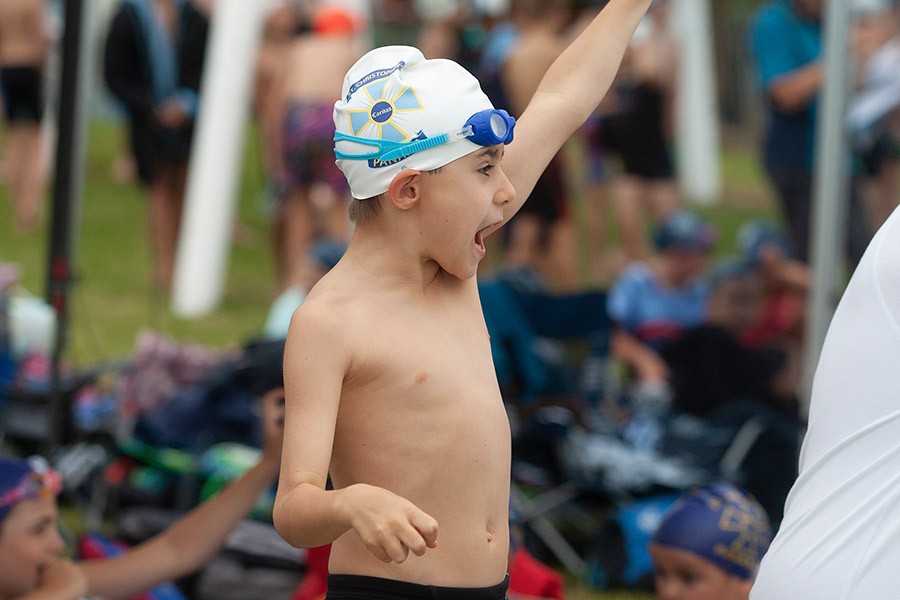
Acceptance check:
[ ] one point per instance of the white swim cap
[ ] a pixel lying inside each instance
(394, 94)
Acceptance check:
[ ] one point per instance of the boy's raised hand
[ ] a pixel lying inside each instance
(389, 526)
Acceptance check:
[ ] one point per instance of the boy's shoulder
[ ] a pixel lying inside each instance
(329, 308)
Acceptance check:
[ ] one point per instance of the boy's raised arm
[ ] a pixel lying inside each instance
(568, 93)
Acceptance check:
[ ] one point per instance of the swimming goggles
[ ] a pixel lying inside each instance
(488, 127)
(33, 486)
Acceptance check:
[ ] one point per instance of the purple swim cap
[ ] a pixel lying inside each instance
(19, 480)
(721, 524)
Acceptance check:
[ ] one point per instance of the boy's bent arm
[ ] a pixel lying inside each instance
(316, 360)
(568, 93)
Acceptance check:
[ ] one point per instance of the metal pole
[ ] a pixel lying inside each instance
(67, 188)
(830, 191)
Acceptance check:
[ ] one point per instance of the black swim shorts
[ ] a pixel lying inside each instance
(359, 587)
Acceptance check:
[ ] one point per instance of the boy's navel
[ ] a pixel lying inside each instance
(421, 377)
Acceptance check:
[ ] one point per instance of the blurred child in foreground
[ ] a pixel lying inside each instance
(30, 544)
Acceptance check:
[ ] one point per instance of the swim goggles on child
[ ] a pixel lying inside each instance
(488, 127)
(33, 486)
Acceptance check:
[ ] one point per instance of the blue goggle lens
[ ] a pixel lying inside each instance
(491, 127)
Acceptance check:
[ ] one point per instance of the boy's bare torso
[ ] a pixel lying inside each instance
(421, 415)
(23, 40)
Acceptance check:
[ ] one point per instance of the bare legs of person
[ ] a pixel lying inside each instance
(632, 196)
(25, 172)
(548, 248)
(291, 234)
(165, 205)
(307, 213)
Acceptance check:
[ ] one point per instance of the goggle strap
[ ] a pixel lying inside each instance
(413, 147)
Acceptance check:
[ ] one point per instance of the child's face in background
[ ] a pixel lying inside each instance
(737, 302)
(685, 265)
(29, 541)
(682, 575)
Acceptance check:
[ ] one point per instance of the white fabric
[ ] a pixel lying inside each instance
(394, 93)
(840, 538)
(880, 93)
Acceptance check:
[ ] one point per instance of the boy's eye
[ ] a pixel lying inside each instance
(486, 170)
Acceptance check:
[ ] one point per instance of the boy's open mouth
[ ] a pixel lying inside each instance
(479, 241)
(479, 236)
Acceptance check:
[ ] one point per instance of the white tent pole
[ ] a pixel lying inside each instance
(696, 108)
(216, 156)
(830, 190)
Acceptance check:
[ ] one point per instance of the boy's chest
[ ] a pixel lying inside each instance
(420, 354)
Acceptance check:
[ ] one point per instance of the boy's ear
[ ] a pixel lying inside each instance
(404, 190)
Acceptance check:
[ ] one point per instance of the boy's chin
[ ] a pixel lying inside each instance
(461, 272)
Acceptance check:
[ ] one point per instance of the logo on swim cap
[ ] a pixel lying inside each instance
(381, 111)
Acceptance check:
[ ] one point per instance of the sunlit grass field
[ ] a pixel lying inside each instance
(112, 298)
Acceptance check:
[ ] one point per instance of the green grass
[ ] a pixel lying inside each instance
(112, 298)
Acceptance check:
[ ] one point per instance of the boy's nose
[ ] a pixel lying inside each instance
(506, 193)
(55, 543)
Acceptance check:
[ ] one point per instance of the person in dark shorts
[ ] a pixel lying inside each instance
(24, 42)
(157, 81)
(314, 194)
(634, 131)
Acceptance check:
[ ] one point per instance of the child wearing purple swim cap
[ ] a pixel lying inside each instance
(709, 545)
(30, 544)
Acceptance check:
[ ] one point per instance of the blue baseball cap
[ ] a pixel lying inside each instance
(684, 230)
(756, 235)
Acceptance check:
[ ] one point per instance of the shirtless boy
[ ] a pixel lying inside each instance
(390, 387)
(24, 43)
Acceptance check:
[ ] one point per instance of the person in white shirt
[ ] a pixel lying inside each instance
(838, 539)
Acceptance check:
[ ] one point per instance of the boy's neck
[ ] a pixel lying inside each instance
(391, 257)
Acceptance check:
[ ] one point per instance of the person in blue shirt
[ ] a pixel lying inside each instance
(786, 44)
(654, 302)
